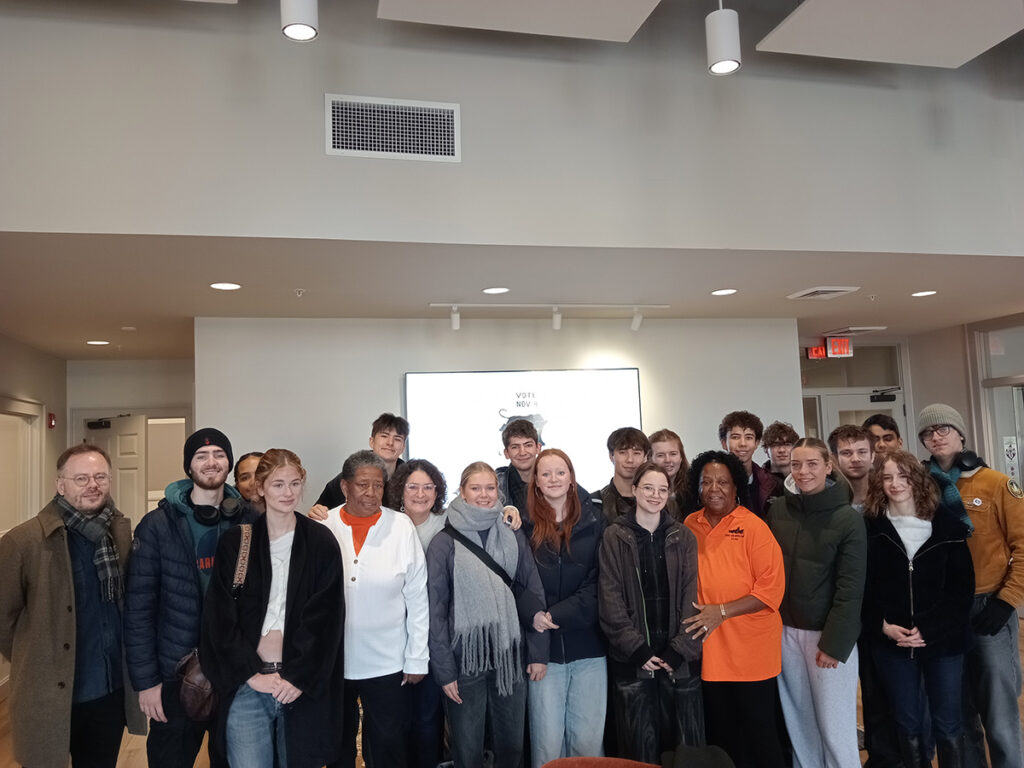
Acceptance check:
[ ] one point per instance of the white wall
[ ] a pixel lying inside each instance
(195, 118)
(315, 385)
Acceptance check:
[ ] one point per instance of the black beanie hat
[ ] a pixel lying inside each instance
(206, 436)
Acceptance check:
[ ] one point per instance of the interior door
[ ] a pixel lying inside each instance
(853, 408)
(125, 440)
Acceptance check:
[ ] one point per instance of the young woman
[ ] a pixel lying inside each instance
(647, 587)
(567, 706)
(667, 452)
(245, 476)
(484, 588)
(917, 603)
(272, 647)
(824, 549)
(741, 583)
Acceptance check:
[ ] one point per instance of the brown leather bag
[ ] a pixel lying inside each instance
(197, 696)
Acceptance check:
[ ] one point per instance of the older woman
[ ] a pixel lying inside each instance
(917, 603)
(418, 489)
(667, 452)
(647, 587)
(567, 707)
(387, 624)
(272, 646)
(740, 586)
(484, 591)
(824, 548)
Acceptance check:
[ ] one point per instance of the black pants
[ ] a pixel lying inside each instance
(656, 714)
(96, 730)
(740, 719)
(880, 737)
(387, 720)
(176, 743)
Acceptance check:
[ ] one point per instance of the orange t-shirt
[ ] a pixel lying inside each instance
(736, 558)
(360, 527)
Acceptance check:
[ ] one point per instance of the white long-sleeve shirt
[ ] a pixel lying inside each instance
(387, 619)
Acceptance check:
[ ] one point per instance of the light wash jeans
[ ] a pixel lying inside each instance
(255, 729)
(567, 710)
(992, 683)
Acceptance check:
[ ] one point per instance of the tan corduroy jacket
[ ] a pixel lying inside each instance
(37, 635)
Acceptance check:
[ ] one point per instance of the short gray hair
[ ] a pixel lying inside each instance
(359, 459)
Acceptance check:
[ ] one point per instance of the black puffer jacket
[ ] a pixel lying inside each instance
(933, 592)
(569, 577)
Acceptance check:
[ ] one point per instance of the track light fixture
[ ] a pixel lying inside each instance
(556, 319)
(722, 30)
(299, 19)
(638, 318)
(455, 317)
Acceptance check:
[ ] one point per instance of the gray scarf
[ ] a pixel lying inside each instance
(97, 530)
(485, 616)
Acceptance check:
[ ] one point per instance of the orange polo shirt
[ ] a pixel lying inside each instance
(736, 558)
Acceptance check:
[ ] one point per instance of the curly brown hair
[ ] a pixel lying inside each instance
(922, 487)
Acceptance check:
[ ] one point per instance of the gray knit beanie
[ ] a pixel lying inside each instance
(937, 414)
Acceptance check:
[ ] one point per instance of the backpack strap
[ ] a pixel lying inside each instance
(242, 564)
(479, 551)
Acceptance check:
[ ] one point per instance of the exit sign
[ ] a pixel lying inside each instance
(817, 353)
(838, 346)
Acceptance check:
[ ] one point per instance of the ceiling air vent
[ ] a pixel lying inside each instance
(414, 130)
(822, 292)
(855, 330)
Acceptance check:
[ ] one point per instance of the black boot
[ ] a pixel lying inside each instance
(911, 751)
(951, 752)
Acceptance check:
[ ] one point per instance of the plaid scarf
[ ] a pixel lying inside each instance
(97, 530)
(949, 496)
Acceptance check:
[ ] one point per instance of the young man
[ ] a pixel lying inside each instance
(388, 434)
(522, 444)
(169, 571)
(995, 504)
(740, 433)
(778, 441)
(628, 448)
(885, 432)
(852, 445)
(68, 692)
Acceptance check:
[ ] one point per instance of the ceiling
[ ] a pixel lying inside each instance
(60, 290)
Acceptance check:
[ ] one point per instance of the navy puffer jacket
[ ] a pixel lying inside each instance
(163, 605)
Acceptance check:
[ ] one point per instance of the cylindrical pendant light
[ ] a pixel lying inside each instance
(722, 29)
(299, 19)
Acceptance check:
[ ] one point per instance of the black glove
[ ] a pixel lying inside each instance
(993, 617)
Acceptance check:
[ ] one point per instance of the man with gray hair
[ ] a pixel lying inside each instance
(995, 505)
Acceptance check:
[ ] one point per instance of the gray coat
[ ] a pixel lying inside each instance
(37, 634)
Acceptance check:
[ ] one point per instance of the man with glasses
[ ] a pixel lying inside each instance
(170, 569)
(61, 590)
(995, 504)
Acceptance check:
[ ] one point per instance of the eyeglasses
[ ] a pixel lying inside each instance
(414, 488)
(100, 478)
(942, 430)
(650, 490)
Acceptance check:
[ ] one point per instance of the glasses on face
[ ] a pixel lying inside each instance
(651, 490)
(100, 478)
(942, 430)
(416, 487)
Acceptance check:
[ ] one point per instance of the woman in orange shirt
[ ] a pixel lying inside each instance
(741, 582)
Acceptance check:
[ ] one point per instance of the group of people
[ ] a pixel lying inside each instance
(717, 602)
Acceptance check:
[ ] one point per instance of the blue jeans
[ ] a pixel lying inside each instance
(992, 683)
(481, 704)
(943, 679)
(255, 729)
(567, 710)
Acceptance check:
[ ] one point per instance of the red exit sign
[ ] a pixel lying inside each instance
(838, 346)
(817, 353)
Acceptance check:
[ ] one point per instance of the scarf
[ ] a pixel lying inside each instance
(97, 530)
(949, 496)
(485, 617)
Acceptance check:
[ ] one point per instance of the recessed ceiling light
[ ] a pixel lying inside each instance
(495, 291)
(225, 286)
(724, 292)
(98, 343)
(919, 294)
(128, 328)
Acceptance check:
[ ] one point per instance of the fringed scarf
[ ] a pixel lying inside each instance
(485, 616)
(97, 530)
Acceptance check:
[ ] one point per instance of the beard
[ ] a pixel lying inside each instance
(210, 482)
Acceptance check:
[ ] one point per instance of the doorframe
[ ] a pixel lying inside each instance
(78, 415)
(34, 411)
(823, 392)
